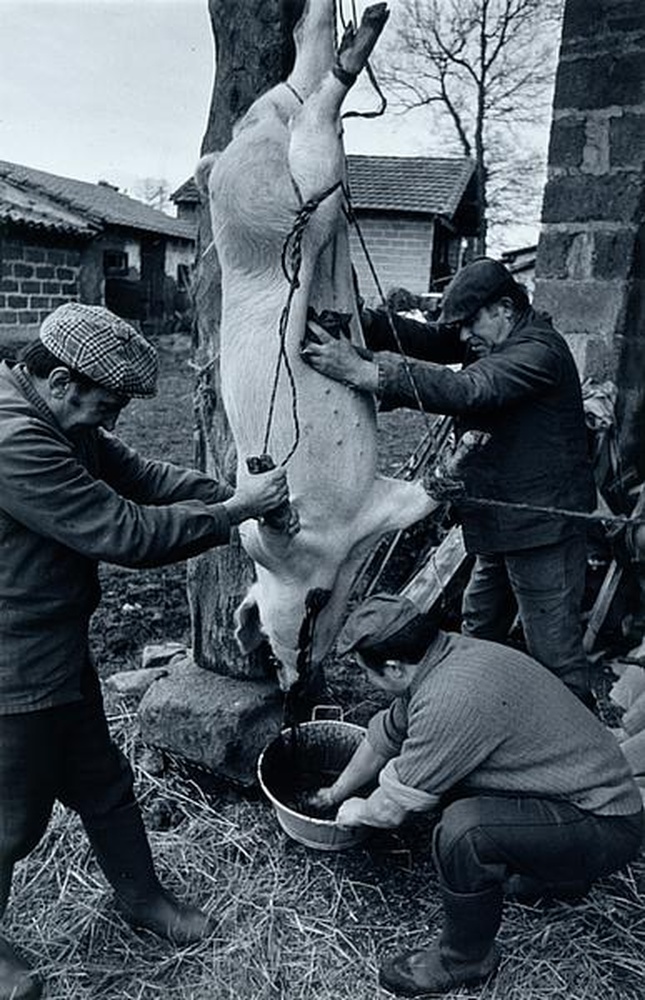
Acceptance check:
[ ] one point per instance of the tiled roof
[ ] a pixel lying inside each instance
(24, 206)
(97, 204)
(410, 184)
(423, 184)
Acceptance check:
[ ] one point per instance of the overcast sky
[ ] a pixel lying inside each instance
(120, 90)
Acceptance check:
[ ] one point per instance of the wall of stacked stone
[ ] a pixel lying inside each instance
(35, 276)
(590, 269)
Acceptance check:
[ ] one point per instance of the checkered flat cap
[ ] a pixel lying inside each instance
(103, 347)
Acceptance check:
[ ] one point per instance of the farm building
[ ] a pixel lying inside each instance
(63, 239)
(413, 213)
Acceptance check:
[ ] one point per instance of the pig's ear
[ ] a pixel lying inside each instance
(203, 172)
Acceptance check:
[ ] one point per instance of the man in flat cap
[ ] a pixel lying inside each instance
(73, 494)
(528, 789)
(519, 390)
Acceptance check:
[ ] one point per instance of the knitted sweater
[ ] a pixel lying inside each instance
(484, 718)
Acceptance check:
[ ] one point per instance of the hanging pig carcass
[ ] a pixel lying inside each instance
(277, 203)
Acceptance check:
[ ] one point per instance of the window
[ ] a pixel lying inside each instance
(183, 277)
(115, 264)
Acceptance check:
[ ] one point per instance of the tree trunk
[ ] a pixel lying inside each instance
(254, 51)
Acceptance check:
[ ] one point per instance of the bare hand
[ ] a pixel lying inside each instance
(321, 800)
(338, 359)
(257, 494)
(351, 813)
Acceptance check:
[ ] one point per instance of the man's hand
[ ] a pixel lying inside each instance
(258, 494)
(351, 813)
(338, 359)
(321, 801)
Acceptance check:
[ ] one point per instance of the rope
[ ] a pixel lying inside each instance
(406, 364)
(291, 258)
(368, 69)
(552, 512)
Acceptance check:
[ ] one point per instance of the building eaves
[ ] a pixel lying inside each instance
(99, 204)
(21, 205)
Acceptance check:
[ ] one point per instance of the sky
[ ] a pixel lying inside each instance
(119, 90)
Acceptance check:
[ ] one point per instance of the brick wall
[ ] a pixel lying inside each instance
(400, 250)
(35, 277)
(590, 269)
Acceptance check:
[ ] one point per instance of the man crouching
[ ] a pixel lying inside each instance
(531, 789)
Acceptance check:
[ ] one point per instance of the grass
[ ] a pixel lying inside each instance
(290, 923)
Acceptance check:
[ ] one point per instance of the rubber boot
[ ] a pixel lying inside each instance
(465, 953)
(17, 981)
(123, 852)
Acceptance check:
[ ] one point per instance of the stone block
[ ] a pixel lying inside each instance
(17, 301)
(601, 81)
(594, 17)
(580, 198)
(161, 654)
(588, 307)
(38, 302)
(134, 683)
(567, 142)
(23, 270)
(34, 254)
(614, 254)
(217, 722)
(627, 140)
(552, 254)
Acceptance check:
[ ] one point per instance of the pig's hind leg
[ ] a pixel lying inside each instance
(316, 156)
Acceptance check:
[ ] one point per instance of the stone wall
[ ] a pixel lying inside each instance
(36, 275)
(590, 262)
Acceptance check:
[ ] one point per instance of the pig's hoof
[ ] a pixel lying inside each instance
(356, 45)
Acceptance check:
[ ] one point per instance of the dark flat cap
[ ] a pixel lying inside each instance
(100, 345)
(476, 285)
(387, 626)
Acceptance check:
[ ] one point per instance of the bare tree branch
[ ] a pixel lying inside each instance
(484, 69)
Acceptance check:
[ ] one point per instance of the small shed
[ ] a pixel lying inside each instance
(65, 240)
(413, 213)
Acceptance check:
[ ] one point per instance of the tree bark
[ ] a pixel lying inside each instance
(253, 51)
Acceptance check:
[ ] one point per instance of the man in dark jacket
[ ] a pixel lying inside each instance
(518, 387)
(72, 494)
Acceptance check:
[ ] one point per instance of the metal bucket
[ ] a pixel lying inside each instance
(314, 758)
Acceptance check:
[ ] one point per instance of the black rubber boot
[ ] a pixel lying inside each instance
(17, 981)
(123, 852)
(465, 953)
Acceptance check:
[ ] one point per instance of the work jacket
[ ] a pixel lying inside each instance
(525, 395)
(65, 504)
